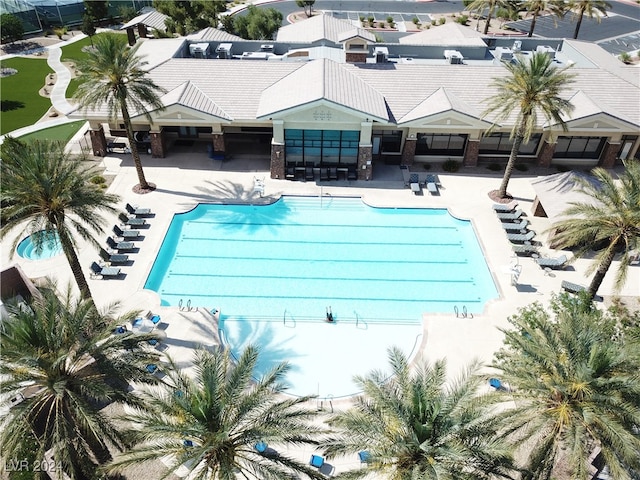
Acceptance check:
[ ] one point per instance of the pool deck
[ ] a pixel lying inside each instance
(184, 180)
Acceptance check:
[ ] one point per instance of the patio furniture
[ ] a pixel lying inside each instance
(125, 233)
(316, 461)
(505, 207)
(104, 272)
(516, 226)
(113, 257)
(120, 246)
(572, 287)
(554, 263)
(130, 221)
(137, 211)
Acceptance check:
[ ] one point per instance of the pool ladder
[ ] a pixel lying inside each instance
(464, 313)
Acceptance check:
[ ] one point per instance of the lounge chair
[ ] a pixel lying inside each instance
(521, 237)
(352, 174)
(308, 174)
(510, 216)
(554, 263)
(572, 287)
(113, 257)
(137, 211)
(414, 183)
(120, 246)
(504, 207)
(261, 446)
(291, 173)
(324, 174)
(364, 456)
(316, 461)
(522, 225)
(104, 272)
(131, 221)
(333, 173)
(432, 184)
(258, 185)
(524, 249)
(125, 233)
(496, 383)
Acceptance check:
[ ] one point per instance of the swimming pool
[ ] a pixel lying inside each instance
(298, 256)
(274, 271)
(51, 247)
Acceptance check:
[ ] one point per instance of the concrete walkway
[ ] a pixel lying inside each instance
(63, 77)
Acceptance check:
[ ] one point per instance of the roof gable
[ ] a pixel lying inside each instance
(322, 80)
(321, 27)
(189, 95)
(439, 101)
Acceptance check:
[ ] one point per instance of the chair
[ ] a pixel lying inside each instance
(258, 185)
(261, 446)
(316, 461)
(324, 174)
(120, 246)
(510, 216)
(414, 183)
(125, 233)
(131, 221)
(113, 258)
(136, 211)
(333, 173)
(364, 456)
(516, 226)
(104, 272)
(505, 208)
(524, 249)
(291, 173)
(496, 383)
(521, 237)
(352, 174)
(308, 173)
(432, 185)
(572, 287)
(554, 263)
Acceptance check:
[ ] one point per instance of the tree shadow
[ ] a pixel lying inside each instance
(8, 105)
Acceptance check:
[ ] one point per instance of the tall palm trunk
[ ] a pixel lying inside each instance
(533, 23)
(579, 22)
(597, 279)
(126, 119)
(74, 263)
(513, 156)
(488, 22)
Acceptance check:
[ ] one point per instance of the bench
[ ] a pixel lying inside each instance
(572, 287)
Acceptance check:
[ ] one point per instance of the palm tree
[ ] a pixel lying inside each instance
(64, 350)
(211, 421)
(539, 7)
(114, 75)
(575, 390)
(489, 5)
(592, 8)
(612, 217)
(43, 188)
(415, 424)
(534, 86)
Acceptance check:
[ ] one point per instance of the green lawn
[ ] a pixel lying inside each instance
(63, 133)
(73, 52)
(21, 103)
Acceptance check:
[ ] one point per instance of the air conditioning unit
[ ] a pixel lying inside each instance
(199, 50)
(503, 53)
(517, 46)
(454, 57)
(546, 49)
(381, 54)
(266, 48)
(224, 50)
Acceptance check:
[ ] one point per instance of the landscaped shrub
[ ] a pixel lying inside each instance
(494, 167)
(521, 167)
(416, 21)
(451, 166)
(562, 168)
(371, 21)
(442, 21)
(625, 57)
(98, 180)
(462, 19)
(390, 21)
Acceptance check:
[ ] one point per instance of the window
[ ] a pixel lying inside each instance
(579, 147)
(501, 144)
(322, 147)
(436, 144)
(390, 140)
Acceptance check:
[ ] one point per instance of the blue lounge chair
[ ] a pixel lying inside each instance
(504, 207)
(136, 211)
(510, 216)
(364, 456)
(496, 383)
(516, 226)
(261, 446)
(114, 258)
(432, 184)
(521, 237)
(414, 183)
(104, 272)
(554, 263)
(120, 246)
(131, 221)
(316, 461)
(572, 287)
(524, 249)
(125, 233)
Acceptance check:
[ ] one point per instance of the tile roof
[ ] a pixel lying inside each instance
(191, 96)
(448, 34)
(214, 34)
(321, 27)
(318, 80)
(152, 19)
(439, 102)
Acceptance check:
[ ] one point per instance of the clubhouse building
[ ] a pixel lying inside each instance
(326, 97)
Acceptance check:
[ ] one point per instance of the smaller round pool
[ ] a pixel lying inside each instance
(50, 248)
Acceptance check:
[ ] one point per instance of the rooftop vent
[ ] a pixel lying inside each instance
(266, 48)
(381, 54)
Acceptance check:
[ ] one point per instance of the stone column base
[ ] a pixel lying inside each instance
(98, 141)
(365, 165)
(408, 152)
(277, 161)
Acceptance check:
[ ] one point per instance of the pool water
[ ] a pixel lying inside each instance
(294, 259)
(50, 248)
(274, 271)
